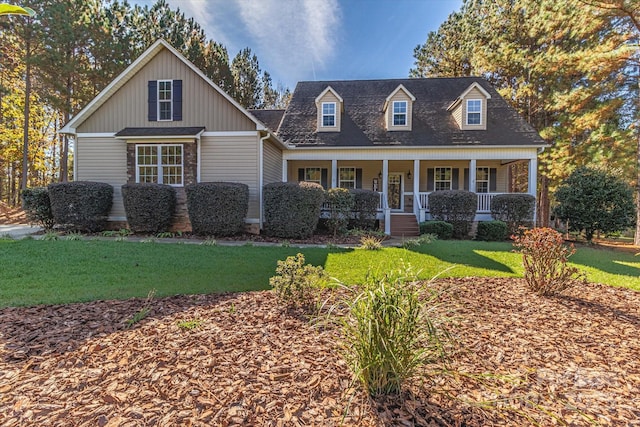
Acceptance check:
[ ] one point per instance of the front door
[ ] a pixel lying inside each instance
(395, 194)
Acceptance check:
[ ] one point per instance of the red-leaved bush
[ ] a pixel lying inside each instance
(545, 258)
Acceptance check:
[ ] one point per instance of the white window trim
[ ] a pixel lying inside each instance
(319, 181)
(159, 162)
(436, 180)
(405, 114)
(170, 100)
(474, 112)
(322, 115)
(355, 177)
(488, 180)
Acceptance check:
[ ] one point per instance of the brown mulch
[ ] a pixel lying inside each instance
(11, 215)
(518, 359)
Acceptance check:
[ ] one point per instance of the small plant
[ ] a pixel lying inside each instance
(189, 325)
(297, 284)
(389, 332)
(492, 231)
(370, 243)
(165, 235)
(143, 312)
(121, 238)
(6, 236)
(248, 243)
(74, 236)
(50, 235)
(209, 242)
(149, 240)
(285, 244)
(123, 232)
(545, 258)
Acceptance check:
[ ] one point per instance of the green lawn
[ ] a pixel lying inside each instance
(51, 272)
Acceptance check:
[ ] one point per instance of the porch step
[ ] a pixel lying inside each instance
(404, 225)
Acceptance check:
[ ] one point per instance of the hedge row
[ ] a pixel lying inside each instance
(81, 205)
(149, 207)
(292, 209)
(457, 207)
(217, 208)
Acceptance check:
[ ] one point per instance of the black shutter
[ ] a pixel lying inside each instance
(455, 177)
(300, 174)
(153, 101)
(466, 179)
(358, 178)
(177, 100)
(430, 179)
(324, 177)
(493, 174)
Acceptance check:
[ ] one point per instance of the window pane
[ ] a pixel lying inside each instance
(347, 178)
(399, 107)
(328, 108)
(328, 121)
(442, 179)
(165, 110)
(313, 175)
(474, 108)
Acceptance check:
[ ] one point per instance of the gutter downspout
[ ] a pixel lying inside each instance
(261, 176)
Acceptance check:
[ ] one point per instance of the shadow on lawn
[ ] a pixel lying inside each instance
(462, 254)
(607, 260)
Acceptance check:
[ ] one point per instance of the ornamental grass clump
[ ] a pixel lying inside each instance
(298, 285)
(545, 258)
(389, 331)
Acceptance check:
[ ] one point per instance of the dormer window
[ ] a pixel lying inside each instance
(328, 114)
(399, 113)
(474, 111)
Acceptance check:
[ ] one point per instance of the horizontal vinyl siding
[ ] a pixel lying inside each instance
(272, 163)
(202, 105)
(232, 159)
(103, 160)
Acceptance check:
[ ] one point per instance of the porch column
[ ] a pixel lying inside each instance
(533, 176)
(334, 173)
(472, 175)
(284, 170)
(385, 190)
(416, 187)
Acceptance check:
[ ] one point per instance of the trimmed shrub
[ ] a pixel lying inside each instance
(457, 207)
(516, 210)
(292, 209)
(82, 205)
(545, 258)
(442, 229)
(365, 208)
(149, 207)
(37, 206)
(297, 284)
(492, 231)
(217, 208)
(340, 204)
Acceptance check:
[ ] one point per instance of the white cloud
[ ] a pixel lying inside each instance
(292, 38)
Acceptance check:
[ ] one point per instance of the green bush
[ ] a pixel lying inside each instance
(298, 285)
(340, 205)
(457, 207)
(365, 209)
(37, 207)
(292, 209)
(442, 229)
(217, 208)
(593, 200)
(545, 258)
(492, 231)
(149, 207)
(82, 205)
(389, 333)
(516, 210)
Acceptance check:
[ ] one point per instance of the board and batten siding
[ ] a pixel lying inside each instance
(202, 105)
(103, 160)
(232, 159)
(272, 158)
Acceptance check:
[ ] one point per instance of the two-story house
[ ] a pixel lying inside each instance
(162, 120)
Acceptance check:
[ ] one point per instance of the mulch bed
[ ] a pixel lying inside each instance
(518, 359)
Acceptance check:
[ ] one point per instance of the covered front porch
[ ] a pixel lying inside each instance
(405, 184)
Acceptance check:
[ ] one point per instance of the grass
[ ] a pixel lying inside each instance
(57, 272)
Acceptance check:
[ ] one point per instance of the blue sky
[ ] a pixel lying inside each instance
(299, 40)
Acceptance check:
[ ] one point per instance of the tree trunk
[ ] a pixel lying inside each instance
(27, 113)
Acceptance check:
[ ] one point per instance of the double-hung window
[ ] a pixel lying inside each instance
(482, 180)
(159, 164)
(313, 175)
(328, 114)
(165, 100)
(474, 111)
(442, 179)
(347, 178)
(399, 113)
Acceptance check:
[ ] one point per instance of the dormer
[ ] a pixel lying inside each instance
(398, 109)
(470, 109)
(329, 105)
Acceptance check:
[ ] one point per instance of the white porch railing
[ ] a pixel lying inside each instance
(326, 206)
(484, 201)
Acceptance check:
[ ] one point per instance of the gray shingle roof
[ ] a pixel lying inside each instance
(363, 117)
(270, 118)
(161, 131)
